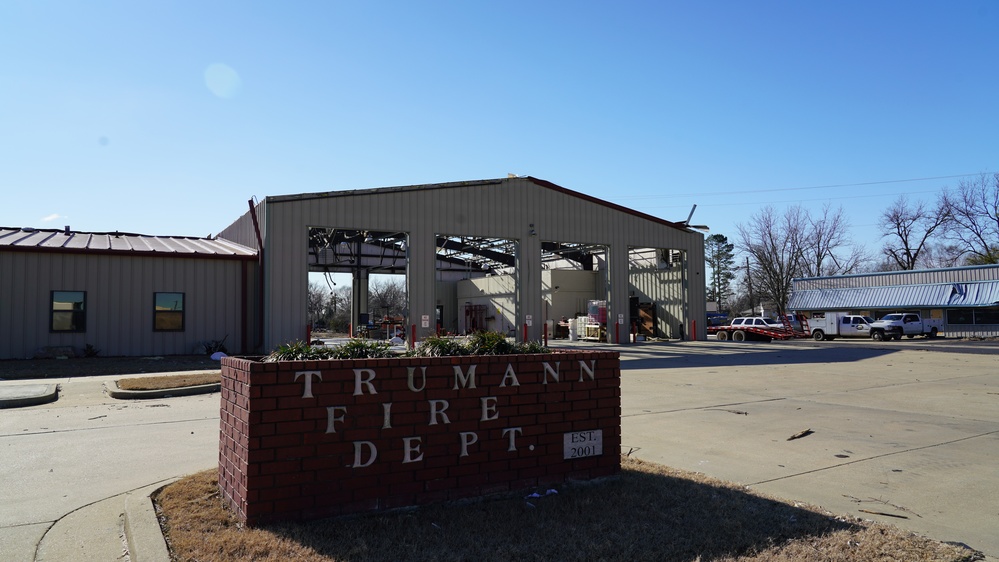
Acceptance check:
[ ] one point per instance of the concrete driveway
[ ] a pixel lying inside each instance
(62, 463)
(908, 429)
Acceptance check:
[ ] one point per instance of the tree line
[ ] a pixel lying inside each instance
(961, 227)
(329, 305)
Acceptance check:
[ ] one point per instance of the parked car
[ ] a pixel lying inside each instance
(756, 322)
(908, 324)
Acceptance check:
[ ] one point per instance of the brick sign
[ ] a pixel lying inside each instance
(303, 440)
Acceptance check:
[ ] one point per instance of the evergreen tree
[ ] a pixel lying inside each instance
(720, 258)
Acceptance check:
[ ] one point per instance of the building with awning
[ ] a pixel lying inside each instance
(966, 298)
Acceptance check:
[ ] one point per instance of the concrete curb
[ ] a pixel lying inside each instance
(142, 528)
(28, 395)
(114, 391)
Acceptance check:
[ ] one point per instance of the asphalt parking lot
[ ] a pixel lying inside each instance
(903, 432)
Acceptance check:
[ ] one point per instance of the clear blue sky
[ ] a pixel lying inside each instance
(166, 117)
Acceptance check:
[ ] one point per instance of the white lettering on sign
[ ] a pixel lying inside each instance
(437, 408)
(511, 375)
(489, 411)
(408, 449)
(550, 371)
(467, 438)
(365, 382)
(308, 381)
(332, 417)
(462, 380)
(579, 444)
(359, 447)
(423, 371)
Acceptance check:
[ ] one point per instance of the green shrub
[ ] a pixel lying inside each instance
(440, 346)
(479, 343)
(490, 343)
(353, 349)
(362, 349)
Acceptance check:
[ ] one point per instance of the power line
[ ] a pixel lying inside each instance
(743, 203)
(749, 191)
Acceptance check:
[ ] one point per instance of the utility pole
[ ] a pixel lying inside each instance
(749, 281)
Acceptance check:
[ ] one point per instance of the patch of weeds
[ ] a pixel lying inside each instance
(214, 346)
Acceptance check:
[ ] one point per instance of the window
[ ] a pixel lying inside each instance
(168, 312)
(973, 316)
(987, 316)
(68, 312)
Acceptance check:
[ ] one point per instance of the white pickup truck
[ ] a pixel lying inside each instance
(831, 325)
(908, 324)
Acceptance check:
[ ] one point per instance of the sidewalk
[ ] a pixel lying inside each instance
(102, 512)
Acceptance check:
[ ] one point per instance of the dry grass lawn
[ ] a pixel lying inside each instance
(169, 381)
(649, 512)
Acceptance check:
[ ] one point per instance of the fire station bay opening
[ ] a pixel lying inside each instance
(359, 283)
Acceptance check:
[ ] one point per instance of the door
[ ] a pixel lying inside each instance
(854, 326)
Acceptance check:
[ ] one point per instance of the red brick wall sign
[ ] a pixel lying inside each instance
(311, 439)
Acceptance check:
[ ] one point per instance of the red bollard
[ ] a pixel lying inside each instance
(693, 332)
(525, 331)
(413, 339)
(546, 334)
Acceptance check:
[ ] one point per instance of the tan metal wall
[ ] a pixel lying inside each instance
(887, 279)
(119, 302)
(498, 208)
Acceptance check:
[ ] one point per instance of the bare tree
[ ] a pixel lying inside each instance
(828, 248)
(317, 303)
(775, 245)
(909, 228)
(974, 218)
(942, 255)
(340, 309)
(387, 297)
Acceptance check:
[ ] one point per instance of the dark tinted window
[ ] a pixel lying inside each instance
(168, 312)
(68, 312)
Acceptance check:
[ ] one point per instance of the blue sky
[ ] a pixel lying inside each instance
(166, 117)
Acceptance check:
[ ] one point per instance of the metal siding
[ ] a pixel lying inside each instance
(943, 295)
(119, 301)
(881, 279)
(502, 210)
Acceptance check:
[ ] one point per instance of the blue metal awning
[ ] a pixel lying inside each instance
(939, 295)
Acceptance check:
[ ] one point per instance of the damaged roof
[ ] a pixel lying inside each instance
(935, 295)
(65, 240)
